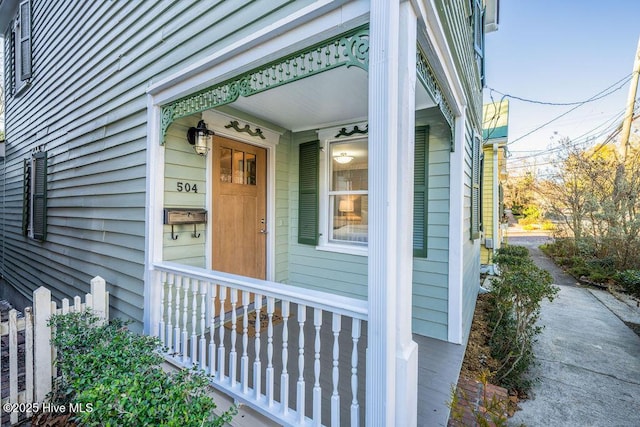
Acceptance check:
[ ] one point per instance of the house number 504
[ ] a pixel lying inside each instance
(187, 187)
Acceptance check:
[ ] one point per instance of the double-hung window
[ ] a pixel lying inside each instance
(348, 200)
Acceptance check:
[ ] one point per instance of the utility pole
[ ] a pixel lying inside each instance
(626, 125)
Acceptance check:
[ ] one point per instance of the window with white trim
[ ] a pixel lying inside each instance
(348, 189)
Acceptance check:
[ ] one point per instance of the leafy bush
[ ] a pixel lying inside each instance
(548, 226)
(117, 373)
(514, 250)
(630, 280)
(532, 212)
(514, 310)
(511, 255)
(527, 222)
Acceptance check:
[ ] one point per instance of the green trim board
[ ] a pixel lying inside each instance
(350, 49)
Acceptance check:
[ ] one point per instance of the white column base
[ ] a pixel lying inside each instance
(407, 386)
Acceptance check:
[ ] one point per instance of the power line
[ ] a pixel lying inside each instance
(584, 138)
(572, 109)
(533, 101)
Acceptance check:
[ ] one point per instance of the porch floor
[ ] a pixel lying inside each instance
(439, 364)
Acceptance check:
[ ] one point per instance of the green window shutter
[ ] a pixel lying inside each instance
(40, 196)
(420, 188)
(500, 202)
(24, 38)
(308, 204)
(475, 189)
(26, 196)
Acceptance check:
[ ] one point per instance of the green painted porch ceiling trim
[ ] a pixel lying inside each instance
(350, 49)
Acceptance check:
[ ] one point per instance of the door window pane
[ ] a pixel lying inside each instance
(225, 164)
(238, 167)
(250, 168)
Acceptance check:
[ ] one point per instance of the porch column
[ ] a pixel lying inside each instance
(457, 227)
(392, 367)
(154, 223)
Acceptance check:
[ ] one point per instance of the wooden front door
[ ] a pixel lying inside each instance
(239, 208)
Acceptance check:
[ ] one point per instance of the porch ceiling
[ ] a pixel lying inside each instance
(330, 98)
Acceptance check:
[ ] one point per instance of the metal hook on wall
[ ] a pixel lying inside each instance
(173, 235)
(195, 233)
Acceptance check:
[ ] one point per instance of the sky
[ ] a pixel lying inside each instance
(561, 51)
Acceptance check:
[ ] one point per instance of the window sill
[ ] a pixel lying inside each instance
(344, 249)
(26, 84)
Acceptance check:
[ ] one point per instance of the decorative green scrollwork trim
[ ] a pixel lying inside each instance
(356, 129)
(235, 125)
(349, 49)
(428, 79)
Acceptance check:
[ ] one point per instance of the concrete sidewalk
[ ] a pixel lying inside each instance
(589, 360)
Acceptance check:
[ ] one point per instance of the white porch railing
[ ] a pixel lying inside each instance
(241, 331)
(27, 347)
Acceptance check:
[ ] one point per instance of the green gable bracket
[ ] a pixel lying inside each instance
(350, 49)
(427, 78)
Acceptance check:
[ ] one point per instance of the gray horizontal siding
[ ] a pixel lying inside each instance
(92, 63)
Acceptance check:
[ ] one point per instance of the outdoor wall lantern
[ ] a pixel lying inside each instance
(200, 137)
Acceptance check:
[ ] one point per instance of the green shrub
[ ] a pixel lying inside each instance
(533, 213)
(630, 280)
(513, 250)
(118, 375)
(527, 222)
(508, 256)
(548, 226)
(514, 310)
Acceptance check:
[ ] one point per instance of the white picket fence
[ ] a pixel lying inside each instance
(33, 359)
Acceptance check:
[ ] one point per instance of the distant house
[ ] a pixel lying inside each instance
(495, 130)
(316, 163)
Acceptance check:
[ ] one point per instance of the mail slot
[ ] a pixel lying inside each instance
(185, 216)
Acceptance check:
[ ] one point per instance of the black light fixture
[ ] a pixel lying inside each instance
(200, 138)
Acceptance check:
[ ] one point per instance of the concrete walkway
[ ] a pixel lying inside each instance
(589, 360)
